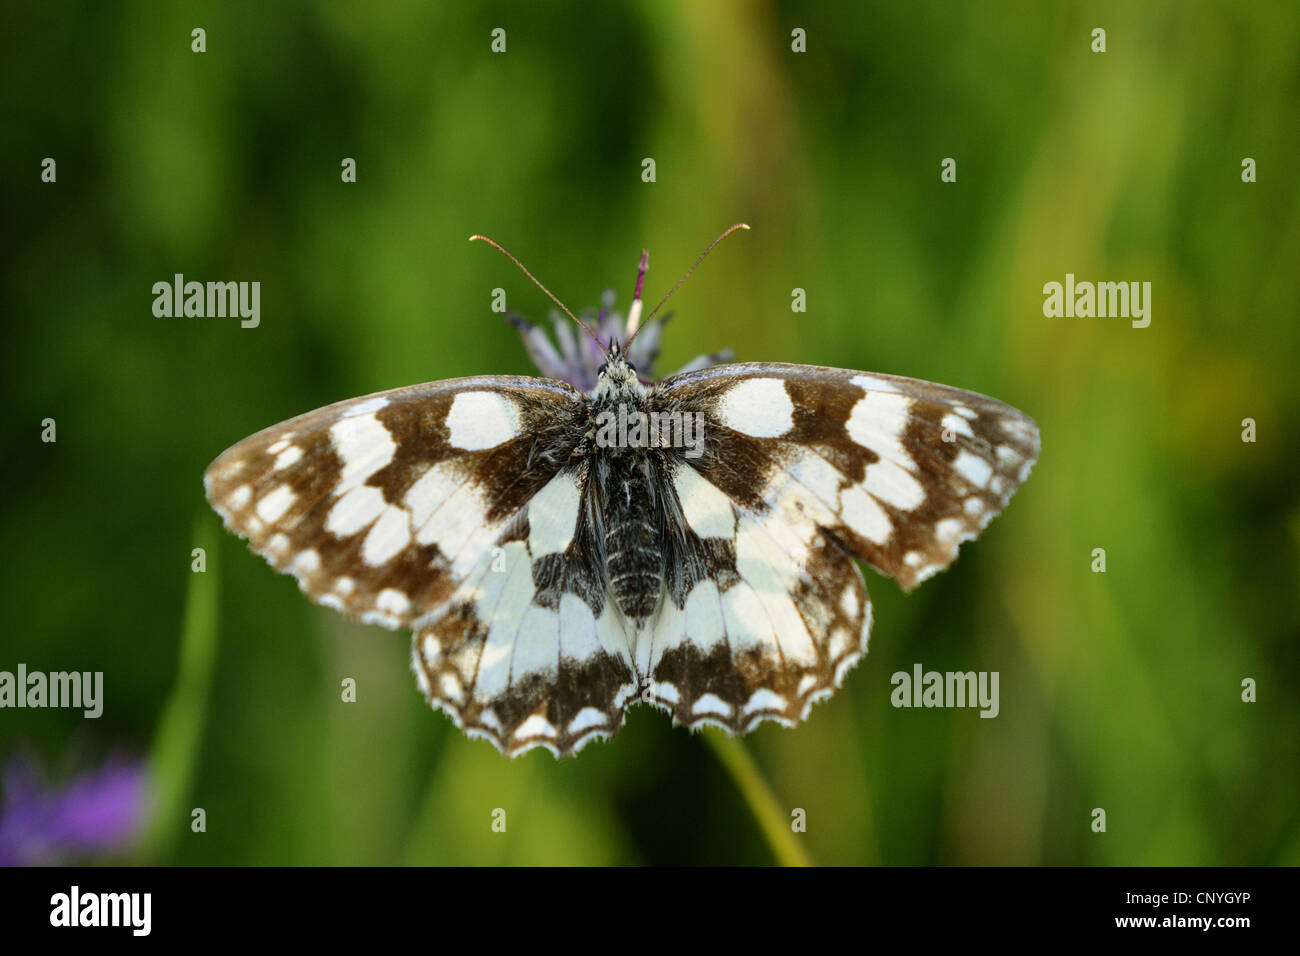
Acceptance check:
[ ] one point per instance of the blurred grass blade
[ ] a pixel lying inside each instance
(180, 729)
(772, 819)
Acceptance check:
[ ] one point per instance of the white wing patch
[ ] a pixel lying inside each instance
(356, 510)
(878, 422)
(707, 510)
(275, 503)
(431, 490)
(760, 407)
(363, 446)
(553, 514)
(388, 536)
(479, 420)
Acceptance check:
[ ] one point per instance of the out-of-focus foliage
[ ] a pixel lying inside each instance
(1119, 690)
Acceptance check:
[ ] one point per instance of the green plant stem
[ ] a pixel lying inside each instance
(772, 819)
(180, 729)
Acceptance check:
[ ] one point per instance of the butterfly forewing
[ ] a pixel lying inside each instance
(898, 470)
(381, 506)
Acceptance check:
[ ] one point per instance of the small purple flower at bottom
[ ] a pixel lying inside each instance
(96, 814)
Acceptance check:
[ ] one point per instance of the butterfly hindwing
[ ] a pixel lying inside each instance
(762, 614)
(530, 651)
(381, 506)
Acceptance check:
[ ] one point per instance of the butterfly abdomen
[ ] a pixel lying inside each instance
(633, 558)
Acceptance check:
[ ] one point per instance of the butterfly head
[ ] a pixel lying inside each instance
(617, 375)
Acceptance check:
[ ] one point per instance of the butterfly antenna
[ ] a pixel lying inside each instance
(739, 225)
(477, 237)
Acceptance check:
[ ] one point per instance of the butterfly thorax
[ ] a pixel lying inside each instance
(624, 470)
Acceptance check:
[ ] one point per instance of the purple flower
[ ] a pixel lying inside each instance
(578, 359)
(95, 814)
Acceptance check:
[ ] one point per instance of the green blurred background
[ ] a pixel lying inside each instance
(1119, 690)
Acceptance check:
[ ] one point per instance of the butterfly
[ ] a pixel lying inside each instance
(555, 571)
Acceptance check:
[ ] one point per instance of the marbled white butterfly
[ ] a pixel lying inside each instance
(552, 578)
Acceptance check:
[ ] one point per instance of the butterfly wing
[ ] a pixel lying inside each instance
(530, 651)
(451, 508)
(804, 468)
(762, 612)
(381, 505)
